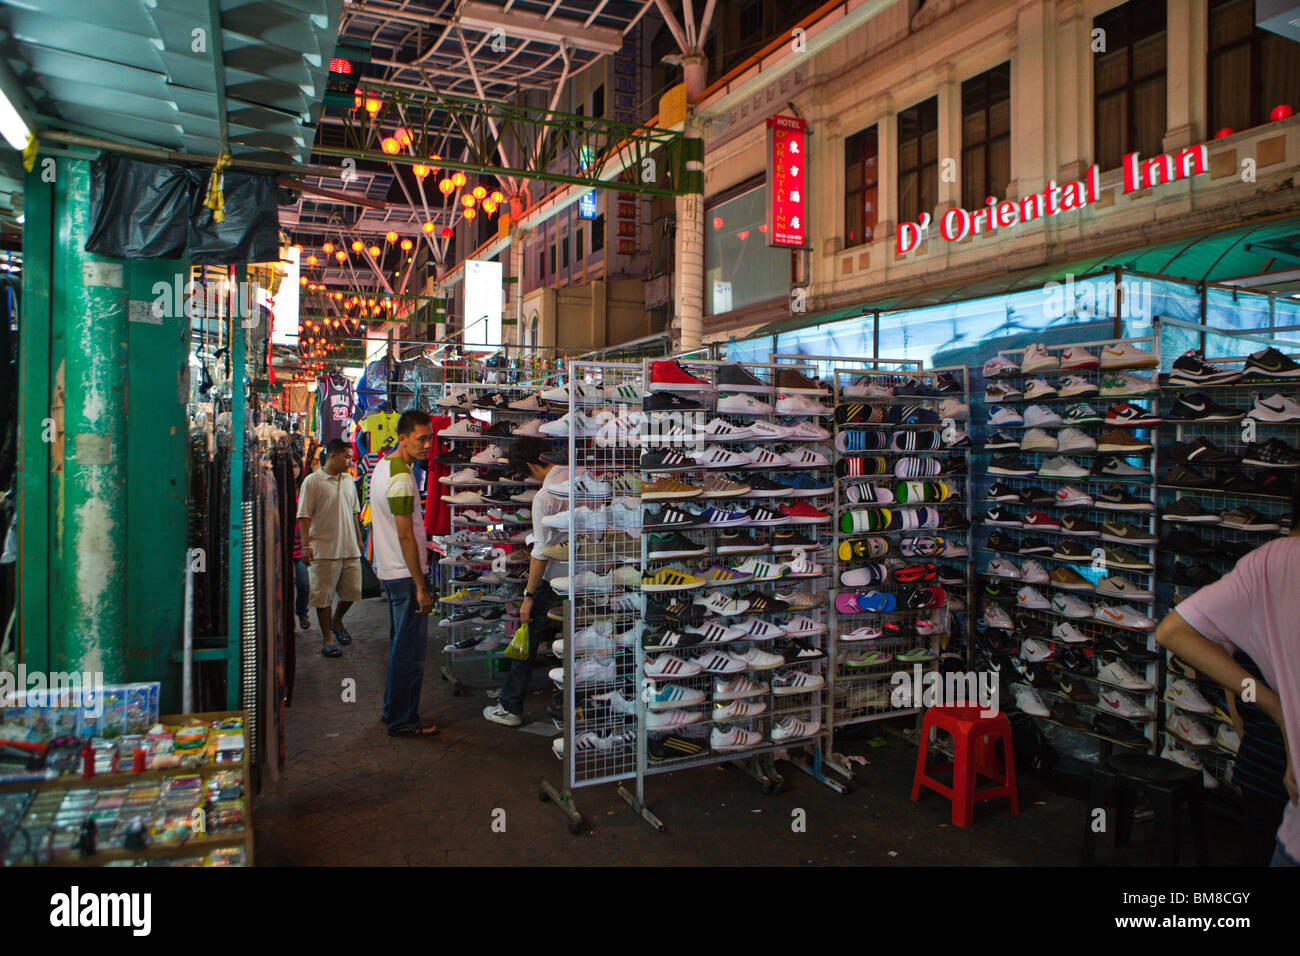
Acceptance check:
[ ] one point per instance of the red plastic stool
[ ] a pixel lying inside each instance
(974, 747)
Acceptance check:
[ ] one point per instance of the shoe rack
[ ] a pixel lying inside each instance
(480, 545)
(1074, 663)
(863, 671)
(1222, 545)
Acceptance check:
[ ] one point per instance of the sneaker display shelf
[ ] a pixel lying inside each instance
(1066, 535)
(902, 527)
(601, 740)
(479, 571)
(736, 499)
(1224, 490)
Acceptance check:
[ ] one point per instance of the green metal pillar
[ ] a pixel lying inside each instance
(93, 547)
(234, 614)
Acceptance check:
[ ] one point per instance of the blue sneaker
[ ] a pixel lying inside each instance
(804, 485)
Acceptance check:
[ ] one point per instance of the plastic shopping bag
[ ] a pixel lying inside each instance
(518, 649)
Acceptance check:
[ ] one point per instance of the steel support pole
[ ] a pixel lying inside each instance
(93, 550)
(235, 526)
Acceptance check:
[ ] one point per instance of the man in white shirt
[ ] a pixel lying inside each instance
(331, 544)
(401, 563)
(531, 456)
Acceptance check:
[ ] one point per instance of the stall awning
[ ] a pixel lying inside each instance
(1271, 246)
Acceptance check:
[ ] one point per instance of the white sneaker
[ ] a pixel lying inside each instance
(766, 431)
(589, 670)
(739, 403)
(1067, 605)
(754, 659)
(465, 428)
(466, 476)
(1068, 496)
(733, 738)
(582, 393)
(712, 632)
(1038, 416)
(1191, 761)
(1189, 730)
(670, 666)
(618, 703)
(956, 410)
(807, 431)
(1060, 467)
(722, 430)
(628, 393)
(1033, 651)
(1038, 440)
(584, 519)
(1119, 586)
(804, 458)
(738, 687)
(582, 485)
(792, 728)
(715, 456)
(1124, 355)
(1072, 385)
(464, 498)
(1121, 615)
(594, 638)
(1075, 439)
(1034, 573)
(737, 710)
(1227, 738)
(717, 662)
(1005, 417)
(723, 605)
(1027, 700)
(1028, 597)
(995, 616)
(1003, 568)
(458, 398)
(1116, 702)
(1118, 674)
(803, 627)
(557, 428)
(799, 405)
(1276, 408)
(1038, 359)
(1126, 386)
(668, 719)
(757, 629)
(529, 404)
(1078, 357)
(1183, 694)
(1067, 633)
(1039, 388)
(499, 715)
(529, 429)
(785, 683)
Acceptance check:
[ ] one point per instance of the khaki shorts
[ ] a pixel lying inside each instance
(328, 575)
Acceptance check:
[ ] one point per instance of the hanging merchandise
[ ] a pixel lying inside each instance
(374, 386)
(419, 378)
(140, 210)
(335, 398)
(249, 230)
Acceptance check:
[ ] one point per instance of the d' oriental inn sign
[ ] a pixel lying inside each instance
(957, 224)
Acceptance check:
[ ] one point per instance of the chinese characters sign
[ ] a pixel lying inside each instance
(786, 175)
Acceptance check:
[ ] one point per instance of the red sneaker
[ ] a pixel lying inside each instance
(1126, 413)
(803, 513)
(671, 376)
(1041, 519)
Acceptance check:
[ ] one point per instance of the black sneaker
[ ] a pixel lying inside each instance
(1033, 495)
(1000, 492)
(1199, 407)
(667, 460)
(953, 520)
(1009, 465)
(1001, 441)
(733, 541)
(499, 430)
(670, 518)
(798, 651)
(492, 401)
(1185, 477)
(950, 577)
(1273, 453)
(1070, 550)
(669, 639)
(860, 413)
(1035, 545)
(1119, 730)
(1239, 483)
(685, 613)
(1004, 543)
(661, 748)
(676, 545)
(1184, 542)
(1067, 715)
(1190, 368)
(760, 603)
(1115, 498)
(466, 576)
(1129, 651)
(1111, 466)
(670, 402)
(1202, 453)
(945, 384)
(1080, 526)
(760, 486)
(1076, 660)
(1075, 690)
(791, 540)
(1192, 575)
(494, 612)
(1279, 486)
(737, 378)
(1188, 511)
(914, 387)
(1270, 363)
(457, 456)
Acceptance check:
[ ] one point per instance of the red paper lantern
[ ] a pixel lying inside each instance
(717, 222)
(448, 232)
(1280, 112)
(1223, 132)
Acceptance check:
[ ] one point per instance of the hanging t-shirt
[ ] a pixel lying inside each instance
(381, 429)
(335, 399)
(393, 492)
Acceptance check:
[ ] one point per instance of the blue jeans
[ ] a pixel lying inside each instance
(301, 587)
(1280, 857)
(540, 629)
(407, 642)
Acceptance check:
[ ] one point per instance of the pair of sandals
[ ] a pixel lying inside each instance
(341, 637)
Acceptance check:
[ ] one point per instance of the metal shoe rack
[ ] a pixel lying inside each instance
(471, 647)
(1224, 545)
(1003, 591)
(862, 688)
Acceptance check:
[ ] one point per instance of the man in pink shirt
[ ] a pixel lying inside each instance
(1256, 609)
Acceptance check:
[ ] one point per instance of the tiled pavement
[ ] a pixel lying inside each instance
(350, 795)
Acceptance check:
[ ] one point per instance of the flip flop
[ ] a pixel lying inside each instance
(341, 635)
(331, 650)
(430, 731)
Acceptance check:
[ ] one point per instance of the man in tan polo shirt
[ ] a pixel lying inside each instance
(328, 514)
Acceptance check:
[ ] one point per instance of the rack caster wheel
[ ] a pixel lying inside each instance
(575, 827)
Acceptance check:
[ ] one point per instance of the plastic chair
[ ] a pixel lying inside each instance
(975, 751)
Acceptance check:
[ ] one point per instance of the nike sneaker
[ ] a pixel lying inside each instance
(1191, 368)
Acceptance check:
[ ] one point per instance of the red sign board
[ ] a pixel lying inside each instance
(787, 223)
